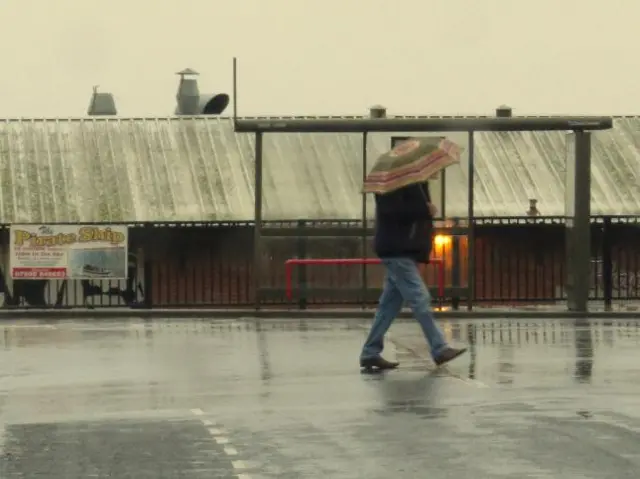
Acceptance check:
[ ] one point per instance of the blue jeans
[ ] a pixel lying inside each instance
(403, 283)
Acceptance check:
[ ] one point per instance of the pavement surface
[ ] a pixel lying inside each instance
(285, 399)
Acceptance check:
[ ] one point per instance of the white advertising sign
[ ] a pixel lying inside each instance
(68, 251)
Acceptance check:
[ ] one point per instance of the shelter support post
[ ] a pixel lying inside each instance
(364, 238)
(577, 220)
(257, 230)
(471, 244)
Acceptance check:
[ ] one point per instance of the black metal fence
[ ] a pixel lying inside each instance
(516, 260)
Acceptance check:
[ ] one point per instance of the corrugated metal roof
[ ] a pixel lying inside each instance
(180, 169)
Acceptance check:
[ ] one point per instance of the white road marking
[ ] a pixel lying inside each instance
(219, 437)
(230, 451)
(238, 464)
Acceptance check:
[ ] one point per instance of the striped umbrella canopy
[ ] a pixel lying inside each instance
(412, 161)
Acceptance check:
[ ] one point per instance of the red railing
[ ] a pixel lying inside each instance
(290, 263)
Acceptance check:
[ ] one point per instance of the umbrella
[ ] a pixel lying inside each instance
(412, 161)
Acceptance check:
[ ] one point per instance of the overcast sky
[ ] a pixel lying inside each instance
(323, 56)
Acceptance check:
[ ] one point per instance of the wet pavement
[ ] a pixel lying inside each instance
(284, 398)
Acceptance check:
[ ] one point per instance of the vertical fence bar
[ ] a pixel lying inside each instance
(302, 269)
(257, 229)
(470, 231)
(607, 264)
(192, 289)
(364, 221)
(455, 267)
(149, 268)
(147, 281)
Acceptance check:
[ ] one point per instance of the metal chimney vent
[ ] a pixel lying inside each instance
(188, 96)
(378, 111)
(503, 111)
(102, 104)
(533, 208)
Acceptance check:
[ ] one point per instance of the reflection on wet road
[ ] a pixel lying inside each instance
(285, 399)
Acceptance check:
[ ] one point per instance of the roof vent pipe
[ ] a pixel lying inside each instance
(503, 111)
(102, 104)
(188, 96)
(377, 111)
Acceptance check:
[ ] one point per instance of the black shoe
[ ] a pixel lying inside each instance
(448, 355)
(378, 363)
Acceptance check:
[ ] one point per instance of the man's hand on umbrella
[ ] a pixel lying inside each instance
(433, 209)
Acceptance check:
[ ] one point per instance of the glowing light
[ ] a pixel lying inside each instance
(442, 240)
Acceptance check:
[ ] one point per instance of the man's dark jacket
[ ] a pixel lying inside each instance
(404, 224)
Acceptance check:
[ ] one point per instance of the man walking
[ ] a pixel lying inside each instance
(403, 239)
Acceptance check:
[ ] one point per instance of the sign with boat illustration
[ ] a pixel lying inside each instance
(68, 251)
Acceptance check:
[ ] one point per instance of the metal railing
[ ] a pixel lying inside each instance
(517, 260)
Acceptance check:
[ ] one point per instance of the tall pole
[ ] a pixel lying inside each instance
(257, 230)
(471, 243)
(235, 90)
(578, 220)
(364, 221)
